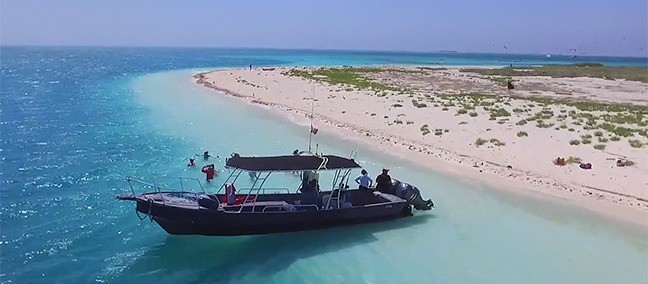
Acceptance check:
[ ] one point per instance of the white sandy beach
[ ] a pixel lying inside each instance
(442, 138)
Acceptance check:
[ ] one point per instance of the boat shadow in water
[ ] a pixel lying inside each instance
(231, 259)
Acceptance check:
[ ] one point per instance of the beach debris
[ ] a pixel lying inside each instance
(624, 163)
(586, 166)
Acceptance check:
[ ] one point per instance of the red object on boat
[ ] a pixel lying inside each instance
(239, 199)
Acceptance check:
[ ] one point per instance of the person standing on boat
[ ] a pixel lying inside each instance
(209, 171)
(363, 180)
(230, 193)
(384, 182)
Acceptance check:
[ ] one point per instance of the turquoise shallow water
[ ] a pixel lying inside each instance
(75, 121)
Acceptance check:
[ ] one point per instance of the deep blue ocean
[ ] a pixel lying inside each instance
(74, 121)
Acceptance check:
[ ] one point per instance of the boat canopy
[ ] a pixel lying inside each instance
(291, 163)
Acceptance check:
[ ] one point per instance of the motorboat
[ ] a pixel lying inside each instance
(259, 210)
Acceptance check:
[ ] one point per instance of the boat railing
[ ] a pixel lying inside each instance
(294, 205)
(270, 189)
(183, 181)
(306, 205)
(159, 188)
(273, 207)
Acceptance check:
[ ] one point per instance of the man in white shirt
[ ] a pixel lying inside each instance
(364, 181)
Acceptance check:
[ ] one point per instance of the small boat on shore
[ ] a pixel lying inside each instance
(181, 212)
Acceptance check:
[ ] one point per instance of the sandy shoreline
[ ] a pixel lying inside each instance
(619, 192)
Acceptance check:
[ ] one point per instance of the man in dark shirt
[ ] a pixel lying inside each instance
(384, 182)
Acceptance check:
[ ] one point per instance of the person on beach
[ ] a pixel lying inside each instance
(192, 162)
(209, 171)
(363, 180)
(384, 182)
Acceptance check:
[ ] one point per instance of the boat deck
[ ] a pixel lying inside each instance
(266, 203)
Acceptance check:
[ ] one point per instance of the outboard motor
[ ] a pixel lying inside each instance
(411, 194)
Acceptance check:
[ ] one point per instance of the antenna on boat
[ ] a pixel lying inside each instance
(310, 131)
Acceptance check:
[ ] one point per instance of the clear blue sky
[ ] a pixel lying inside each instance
(524, 26)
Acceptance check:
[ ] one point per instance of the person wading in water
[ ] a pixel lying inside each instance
(209, 171)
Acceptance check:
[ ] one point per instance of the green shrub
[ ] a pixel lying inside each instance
(599, 146)
(628, 163)
(541, 124)
(521, 122)
(462, 111)
(522, 133)
(418, 104)
(499, 112)
(643, 133)
(497, 142)
(574, 142)
(635, 143)
(472, 114)
(480, 142)
(397, 105)
(617, 130)
(573, 160)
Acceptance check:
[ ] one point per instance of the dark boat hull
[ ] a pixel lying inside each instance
(210, 222)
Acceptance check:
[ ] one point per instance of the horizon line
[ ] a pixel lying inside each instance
(444, 51)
